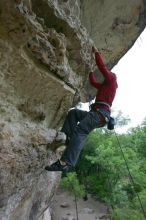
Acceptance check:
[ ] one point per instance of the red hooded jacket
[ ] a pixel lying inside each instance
(106, 90)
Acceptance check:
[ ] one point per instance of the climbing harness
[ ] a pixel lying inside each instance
(103, 103)
(110, 121)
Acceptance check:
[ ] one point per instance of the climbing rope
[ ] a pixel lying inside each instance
(130, 176)
(75, 200)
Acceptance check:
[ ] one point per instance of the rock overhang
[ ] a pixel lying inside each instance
(44, 64)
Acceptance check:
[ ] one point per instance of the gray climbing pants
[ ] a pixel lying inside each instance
(78, 124)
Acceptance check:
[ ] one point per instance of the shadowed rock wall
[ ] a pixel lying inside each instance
(44, 62)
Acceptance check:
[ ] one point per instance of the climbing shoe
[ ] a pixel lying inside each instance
(57, 166)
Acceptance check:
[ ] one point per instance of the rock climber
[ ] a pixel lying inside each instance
(78, 123)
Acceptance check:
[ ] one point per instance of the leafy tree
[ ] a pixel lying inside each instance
(127, 214)
(103, 172)
(71, 183)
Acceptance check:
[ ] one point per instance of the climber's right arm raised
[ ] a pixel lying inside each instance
(101, 65)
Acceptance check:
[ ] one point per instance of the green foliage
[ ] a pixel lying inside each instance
(127, 214)
(142, 195)
(71, 183)
(102, 170)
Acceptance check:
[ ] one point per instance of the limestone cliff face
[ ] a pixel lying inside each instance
(44, 63)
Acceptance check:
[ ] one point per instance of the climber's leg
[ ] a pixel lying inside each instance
(72, 152)
(73, 117)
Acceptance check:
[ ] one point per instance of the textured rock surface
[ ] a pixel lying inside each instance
(44, 62)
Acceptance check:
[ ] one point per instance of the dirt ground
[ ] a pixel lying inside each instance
(69, 213)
